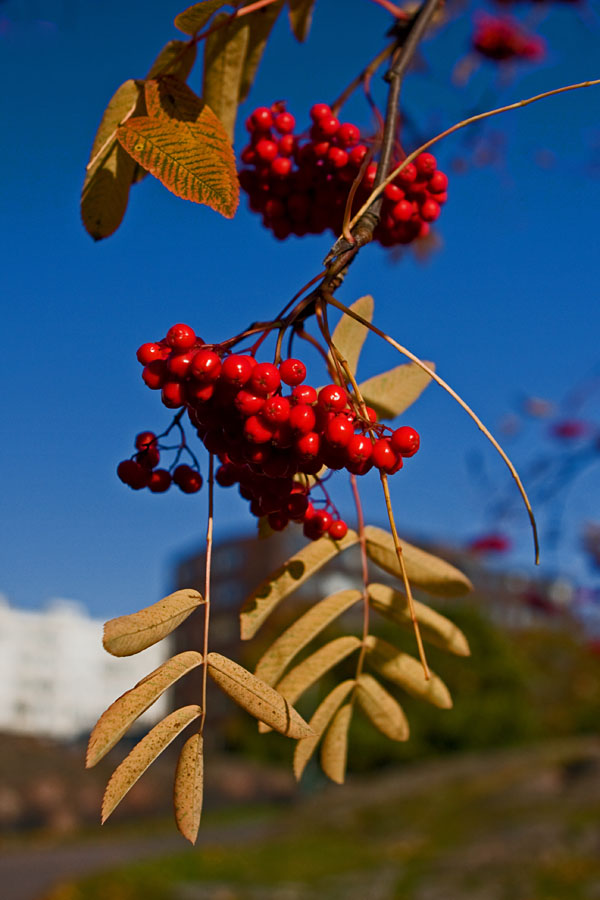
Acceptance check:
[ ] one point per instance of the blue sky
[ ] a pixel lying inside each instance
(508, 305)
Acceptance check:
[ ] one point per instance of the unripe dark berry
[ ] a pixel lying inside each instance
(277, 520)
(405, 440)
(133, 474)
(181, 337)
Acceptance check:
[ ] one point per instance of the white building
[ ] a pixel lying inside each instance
(55, 676)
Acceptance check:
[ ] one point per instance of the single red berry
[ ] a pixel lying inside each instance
(149, 458)
(181, 337)
(198, 393)
(296, 506)
(281, 166)
(308, 445)
(144, 440)
(302, 418)
(359, 449)
(277, 409)
(312, 529)
(328, 125)
(384, 457)
(261, 118)
(337, 157)
(277, 520)
(173, 394)
(147, 353)
(286, 145)
(187, 479)
(133, 474)
(304, 394)
(425, 164)
(324, 519)
(337, 530)
(348, 134)
(226, 475)
(407, 175)
(155, 374)
(264, 379)
(292, 371)
(393, 192)
(236, 369)
(357, 155)
(206, 366)
(369, 176)
(160, 481)
(402, 211)
(405, 440)
(371, 414)
(319, 111)
(257, 430)
(248, 404)
(179, 364)
(333, 398)
(285, 123)
(430, 210)
(266, 150)
(438, 183)
(339, 430)
(248, 156)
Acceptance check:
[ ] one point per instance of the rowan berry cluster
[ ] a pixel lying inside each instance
(503, 39)
(300, 184)
(273, 444)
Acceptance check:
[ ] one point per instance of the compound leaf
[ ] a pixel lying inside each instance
(274, 661)
(260, 23)
(349, 335)
(301, 12)
(428, 572)
(381, 708)
(143, 755)
(319, 722)
(256, 697)
(224, 58)
(127, 635)
(334, 749)
(114, 722)
(176, 58)
(434, 627)
(189, 787)
(195, 17)
(407, 672)
(298, 569)
(391, 393)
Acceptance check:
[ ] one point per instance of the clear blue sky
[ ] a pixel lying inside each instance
(509, 304)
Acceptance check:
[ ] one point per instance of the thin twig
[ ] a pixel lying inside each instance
(366, 72)
(208, 561)
(360, 522)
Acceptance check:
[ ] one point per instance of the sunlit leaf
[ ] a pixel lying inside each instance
(349, 335)
(143, 755)
(195, 17)
(256, 697)
(127, 635)
(381, 708)
(428, 572)
(298, 569)
(319, 722)
(334, 749)
(224, 58)
(276, 658)
(260, 22)
(393, 392)
(176, 58)
(114, 722)
(189, 787)
(434, 627)
(407, 672)
(301, 12)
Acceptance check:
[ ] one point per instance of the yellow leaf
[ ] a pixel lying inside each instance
(334, 749)
(175, 58)
(301, 12)
(349, 335)
(143, 755)
(298, 569)
(404, 670)
(391, 393)
(435, 628)
(259, 699)
(260, 22)
(273, 662)
(130, 634)
(189, 786)
(195, 17)
(428, 572)
(381, 708)
(224, 58)
(319, 722)
(114, 722)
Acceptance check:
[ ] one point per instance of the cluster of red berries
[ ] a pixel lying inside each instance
(504, 39)
(267, 441)
(141, 470)
(300, 185)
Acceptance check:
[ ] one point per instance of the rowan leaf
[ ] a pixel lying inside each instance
(127, 635)
(193, 159)
(195, 17)
(256, 697)
(224, 58)
(276, 658)
(349, 335)
(175, 58)
(334, 749)
(434, 627)
(298, 569)
(114, 722)
(391, 393)
(111, 170)
(407, 672)
(189, 787)
(319, 722)
(143, 755)
(301, 12)
(169, 98)
(263, 529)
(381, 708)
(428, 572)
(260, 23)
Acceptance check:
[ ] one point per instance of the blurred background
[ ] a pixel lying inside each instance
(497, 798)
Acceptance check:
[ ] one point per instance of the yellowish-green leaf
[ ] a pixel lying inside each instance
(407, 672)
(301, 12)
(175, 58)
(434, 627)
(381, 708)
(334, 749)
(143, 755)
(111, 170)
(195, 17)
(428, 572)
(298, 569)
(274, 661)
(391, 393)
(114, 722)
(349, 335)
(260, 22)
(319, 722)
(131, 634)
(192, 158)
(256, 697)
(224, 58)
(189, 787)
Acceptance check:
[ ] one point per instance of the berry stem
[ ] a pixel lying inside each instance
(367, 72)
(360, 524)
(208, 562)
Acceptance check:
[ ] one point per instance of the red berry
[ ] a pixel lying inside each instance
(324, 519)
(407, 175)
(425, 164)
(402, 211)
(198, 393)
(149, 458)
(264, 379)
(144, 440)
(304, 394)
(359, 449)
(302, 418)
(348, 134)
(319, 110)
(179, 364)
(357, 155)
(337, 157)
(278, 521)
(285, 123)
(438, 183)
(133, 474)
(393, 192)
(430, 210)
(292, 371)
(297, 506)
(181, 337)
(328, 125)
(257, 430)
(308, 445)
(236, 369)
(286, 145)
(266, 150)
(226, 475)
(261, 118)
(281, 166)
(405, 440)
(155, 374)
(339, 430)
(187, 479)
(277, 410)
(248, 404)
(383, 455)
(206, 366)
(147, 353)
(337, 530)
(173, 394)
(333, 398)
(160, 481)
